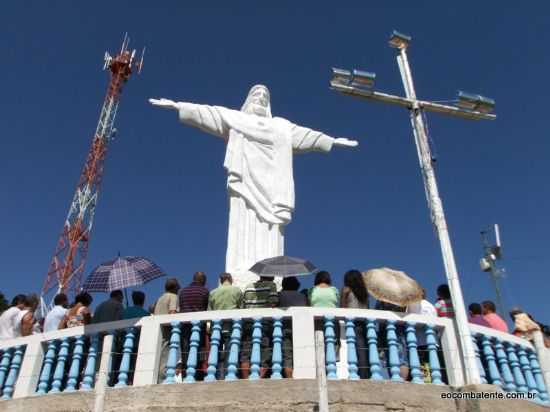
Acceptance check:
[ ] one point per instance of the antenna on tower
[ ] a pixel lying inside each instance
(491, 254)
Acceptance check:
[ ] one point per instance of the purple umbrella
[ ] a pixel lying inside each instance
(120, 273)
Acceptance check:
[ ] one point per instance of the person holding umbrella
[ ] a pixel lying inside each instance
(111, 309)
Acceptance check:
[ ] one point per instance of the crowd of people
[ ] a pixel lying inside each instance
(19, 319)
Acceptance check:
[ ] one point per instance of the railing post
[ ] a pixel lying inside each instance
(277, 356)
(435, 366)
(516, 370)
(46, 375)
(412, 346)
(505, 370)
(127, 349)
(173, 352)
(303, 341)
(352, 352)
(5, 365)
(255, 353)
(374, 358)
(74, 372)
(234, 344)
(13, 373)
(527, 373)
(393, 353)
(62, 356)
(192, 358)
(330, 351)
(215, 341)
(89, 371)
(149, 350)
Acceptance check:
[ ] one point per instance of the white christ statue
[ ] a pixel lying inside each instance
(260, 183)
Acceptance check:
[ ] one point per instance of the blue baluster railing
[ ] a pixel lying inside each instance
(5, 365)
(15, 365)
(435, 366)
(234, 344)
(519, 380)
(351, 341)
(59, 372)
(215, 341)
(127, 349)
(255, 353)
(193, 357)
(277, 356)
(537, 373)
(393, 352)
(374, 358)
(89, 370)
(74, 371)
(330, 347)
(414, 360)
(480, 367)
(45, 375)
(527, 372)
(489, 356)
(505, 370)
(173, 352)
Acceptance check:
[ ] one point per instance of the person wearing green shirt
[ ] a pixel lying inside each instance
(323, 294)
(225, 297)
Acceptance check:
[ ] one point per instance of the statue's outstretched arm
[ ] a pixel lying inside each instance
(206, 118)
(307, 140)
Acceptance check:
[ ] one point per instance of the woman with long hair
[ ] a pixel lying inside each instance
(354, 293)
(355, 296)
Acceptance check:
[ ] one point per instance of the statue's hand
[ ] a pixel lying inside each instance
(342, 141)
(165, 103)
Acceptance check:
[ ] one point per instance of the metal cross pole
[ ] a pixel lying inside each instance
(359, 83)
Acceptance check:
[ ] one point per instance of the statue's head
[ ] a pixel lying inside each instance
(258, 101)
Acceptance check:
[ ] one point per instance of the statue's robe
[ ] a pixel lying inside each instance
(260, 182)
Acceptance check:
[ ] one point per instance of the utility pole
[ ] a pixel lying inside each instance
(360, 83)
(67, 264)
(488, 263)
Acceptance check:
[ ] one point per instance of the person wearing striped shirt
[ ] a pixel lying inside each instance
(260, 294)
(444, 305)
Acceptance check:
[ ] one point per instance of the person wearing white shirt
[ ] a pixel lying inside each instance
(10, 320)
(56, 315)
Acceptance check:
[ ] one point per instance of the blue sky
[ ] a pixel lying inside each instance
(164, 195)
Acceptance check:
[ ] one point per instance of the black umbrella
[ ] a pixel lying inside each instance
(284, 266)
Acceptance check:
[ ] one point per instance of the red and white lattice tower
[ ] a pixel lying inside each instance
(67, 264)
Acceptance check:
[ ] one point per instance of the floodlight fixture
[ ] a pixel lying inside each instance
(399, 40)
(340, 77)
(475, 102)
(362, 79)
(485, 265)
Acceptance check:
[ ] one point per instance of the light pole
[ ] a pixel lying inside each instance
(470, 106)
